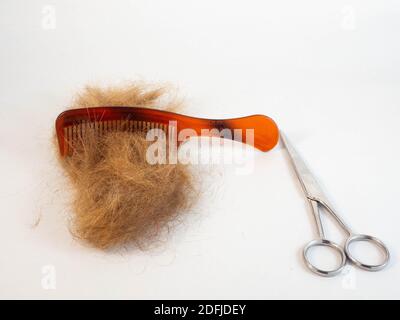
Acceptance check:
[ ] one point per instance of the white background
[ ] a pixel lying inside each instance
(327, 71)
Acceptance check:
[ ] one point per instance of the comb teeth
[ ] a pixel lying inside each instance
(73, 133)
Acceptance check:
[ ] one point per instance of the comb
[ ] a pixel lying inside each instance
(71, 124)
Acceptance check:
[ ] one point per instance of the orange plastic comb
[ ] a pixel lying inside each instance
(72, 123)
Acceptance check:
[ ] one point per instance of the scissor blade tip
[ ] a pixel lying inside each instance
(283, 137)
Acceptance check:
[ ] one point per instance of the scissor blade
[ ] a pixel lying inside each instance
(310, 186)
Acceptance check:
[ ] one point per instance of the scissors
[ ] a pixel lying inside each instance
(317, 200)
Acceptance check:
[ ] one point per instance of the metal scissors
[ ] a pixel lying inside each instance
(317, 199)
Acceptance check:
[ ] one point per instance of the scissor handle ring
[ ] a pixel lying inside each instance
(329, 244)
(373, 240)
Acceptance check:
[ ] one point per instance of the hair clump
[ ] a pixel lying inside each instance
(120, 198)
